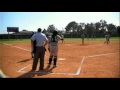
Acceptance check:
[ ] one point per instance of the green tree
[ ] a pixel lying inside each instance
(51, 28)
(118, 30)
(89, 30)
(103, 24)
(44, 31)
(111, 29)
(97, 28)
(103, 27)
(81, 27)
(71, 27)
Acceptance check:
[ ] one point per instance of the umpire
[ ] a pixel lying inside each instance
(41, 42)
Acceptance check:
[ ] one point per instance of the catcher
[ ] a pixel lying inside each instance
(53, 45)
(49, 37)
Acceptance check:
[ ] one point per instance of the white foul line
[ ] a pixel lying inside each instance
(77, 72)
(103, 54)
(20, 70)
(93, 56)
(17, 47)
(80, 66)
(82, 60)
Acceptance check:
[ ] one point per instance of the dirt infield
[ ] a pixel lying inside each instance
(94, 59)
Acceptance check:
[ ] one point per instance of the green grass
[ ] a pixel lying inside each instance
(111, 39)
(97, 39)
(66, 39)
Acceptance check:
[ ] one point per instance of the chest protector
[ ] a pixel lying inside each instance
(53, 41)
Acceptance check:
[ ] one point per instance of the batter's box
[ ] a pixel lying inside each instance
(64, 67)
(101, 66)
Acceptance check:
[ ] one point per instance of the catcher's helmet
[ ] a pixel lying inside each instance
(55, 32)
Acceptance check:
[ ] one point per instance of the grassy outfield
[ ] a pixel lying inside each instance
(96, 39)
(66, 39)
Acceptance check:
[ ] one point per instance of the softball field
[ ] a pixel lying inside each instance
(94, 59)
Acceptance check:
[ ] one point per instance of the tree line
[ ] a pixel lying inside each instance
(97, 29)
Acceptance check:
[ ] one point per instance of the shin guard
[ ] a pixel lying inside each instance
(50, 59)
(55, 60)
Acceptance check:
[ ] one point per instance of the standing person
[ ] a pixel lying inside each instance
(62, 38)
(34, 46)
(107, 36)
(54, 48)
(41, 42)
(83, 36)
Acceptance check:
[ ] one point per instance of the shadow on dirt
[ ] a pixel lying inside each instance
(25, 60)
(36, 74)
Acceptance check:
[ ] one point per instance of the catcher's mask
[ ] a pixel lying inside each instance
(55, 32)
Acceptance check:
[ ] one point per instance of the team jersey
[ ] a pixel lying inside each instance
(54, 41)
(83, 36)
(107, 36)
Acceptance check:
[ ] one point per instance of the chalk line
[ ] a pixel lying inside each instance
(20, 70)
(102, 54)
(43, 72)
(17, 47)
(77, 72)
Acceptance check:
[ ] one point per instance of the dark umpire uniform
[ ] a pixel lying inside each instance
(34, 46)
(41, 42)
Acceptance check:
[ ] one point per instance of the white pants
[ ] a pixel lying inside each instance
(53, 50)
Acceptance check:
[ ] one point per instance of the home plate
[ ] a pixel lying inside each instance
(61, 59)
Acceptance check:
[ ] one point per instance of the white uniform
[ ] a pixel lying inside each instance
(53, 44)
